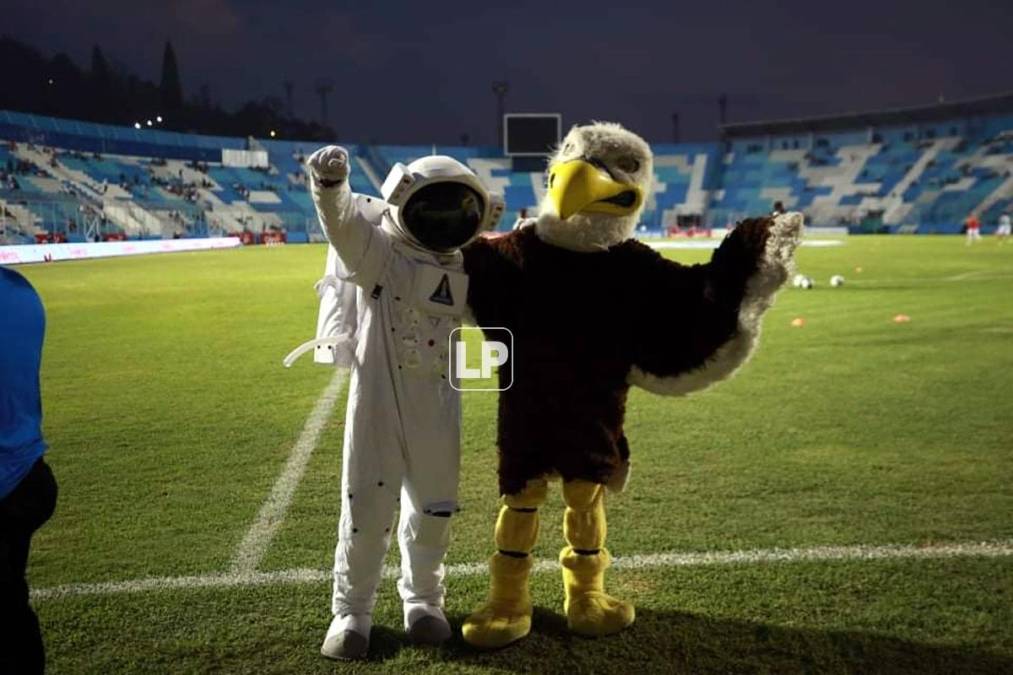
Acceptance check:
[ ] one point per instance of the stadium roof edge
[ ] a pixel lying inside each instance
(993, 104)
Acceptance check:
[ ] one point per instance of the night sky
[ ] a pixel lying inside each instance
(421, 72)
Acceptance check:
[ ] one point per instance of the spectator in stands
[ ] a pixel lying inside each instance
(973, 228)
(778, 209)
(27, 486)
(1002, 232)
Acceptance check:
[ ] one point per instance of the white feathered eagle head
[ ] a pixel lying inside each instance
(598, 181)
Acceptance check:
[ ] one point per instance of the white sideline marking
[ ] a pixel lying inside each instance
(979, 275)
(974, 275)
(710, 244)
(258, 538)
(994, 549)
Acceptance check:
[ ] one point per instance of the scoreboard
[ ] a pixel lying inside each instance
(530, 134)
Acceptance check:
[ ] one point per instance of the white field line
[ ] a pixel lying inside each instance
(979, 275)
(710, 244)
(975, 275)
(246, 579)
(258, 538)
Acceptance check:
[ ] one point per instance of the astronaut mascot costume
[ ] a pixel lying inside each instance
(402, 426)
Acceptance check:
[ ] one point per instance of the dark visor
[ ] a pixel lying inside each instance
(443, 216)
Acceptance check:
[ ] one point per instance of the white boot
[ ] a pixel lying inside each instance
(426, 624)
(347, 637)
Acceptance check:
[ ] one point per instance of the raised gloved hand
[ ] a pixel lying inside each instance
(329, 166)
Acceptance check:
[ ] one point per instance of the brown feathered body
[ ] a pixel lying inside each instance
(581, 322)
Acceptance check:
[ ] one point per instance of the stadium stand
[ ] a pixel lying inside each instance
(913, 170)
(919, 169)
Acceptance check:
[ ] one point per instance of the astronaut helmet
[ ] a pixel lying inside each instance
(439, 204)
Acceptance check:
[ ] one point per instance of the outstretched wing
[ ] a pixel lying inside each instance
(700, 323)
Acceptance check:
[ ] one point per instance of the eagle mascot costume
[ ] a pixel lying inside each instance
(594, 312)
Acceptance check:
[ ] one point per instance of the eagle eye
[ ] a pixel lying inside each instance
(628, 164)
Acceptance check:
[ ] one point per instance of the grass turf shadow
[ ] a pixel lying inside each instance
(687, 643)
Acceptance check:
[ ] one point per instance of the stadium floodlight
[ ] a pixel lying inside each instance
(500, 88)
(158, 119)
(137, 125)
(149, 123)
(272, 133)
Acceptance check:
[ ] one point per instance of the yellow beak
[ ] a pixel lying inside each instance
(579, 186)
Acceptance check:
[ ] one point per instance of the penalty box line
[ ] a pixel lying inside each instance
(860, 553)
(253, 547)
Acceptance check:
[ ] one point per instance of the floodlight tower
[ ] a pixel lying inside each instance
(323, 88)
(675, 127)
(500, 89)
(288, 98)
(722, 109)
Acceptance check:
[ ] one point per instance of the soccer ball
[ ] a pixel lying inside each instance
(802, 281)
(837, 281)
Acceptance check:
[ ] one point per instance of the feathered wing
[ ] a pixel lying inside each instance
(493, 279)
(708, 320)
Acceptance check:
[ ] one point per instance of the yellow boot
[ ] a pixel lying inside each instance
(589, 610)
(506, 615)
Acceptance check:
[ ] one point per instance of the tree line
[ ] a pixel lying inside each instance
(111, 94)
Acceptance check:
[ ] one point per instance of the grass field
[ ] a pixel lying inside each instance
(170, 418)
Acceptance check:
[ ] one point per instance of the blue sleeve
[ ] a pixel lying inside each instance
(22, 330)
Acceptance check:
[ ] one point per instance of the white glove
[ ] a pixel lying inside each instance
(329, 166)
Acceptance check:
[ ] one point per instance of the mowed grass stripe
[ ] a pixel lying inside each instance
(258, 538)
(171, 419)
(237, 579)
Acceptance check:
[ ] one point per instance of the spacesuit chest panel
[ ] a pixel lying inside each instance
(426, 308)
(438, 290)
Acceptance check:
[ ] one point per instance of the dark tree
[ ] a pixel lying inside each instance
(109, 92)
(64, 83)
(102, 96)
(99, 67)
(170, 89)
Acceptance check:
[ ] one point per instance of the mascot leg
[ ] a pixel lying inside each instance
(506, 616)
(589, 610)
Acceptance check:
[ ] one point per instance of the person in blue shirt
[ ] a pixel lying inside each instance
(27, 486)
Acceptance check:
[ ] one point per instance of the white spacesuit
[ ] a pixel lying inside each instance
(337, 316)
(402, 430)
